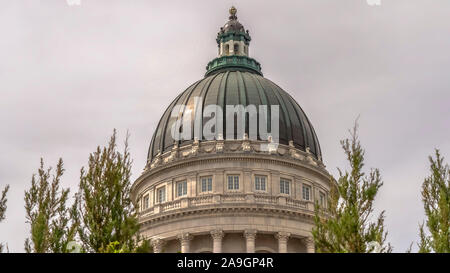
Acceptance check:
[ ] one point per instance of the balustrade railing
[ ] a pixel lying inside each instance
(230, 198)
(296, 203)
(200, 200)
(224, 199)
(266, 199)
(171, 205)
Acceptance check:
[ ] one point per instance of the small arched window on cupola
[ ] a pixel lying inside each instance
(236, 49)
(227, 49)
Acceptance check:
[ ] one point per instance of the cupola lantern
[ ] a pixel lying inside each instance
(232, 38)
(233, 42)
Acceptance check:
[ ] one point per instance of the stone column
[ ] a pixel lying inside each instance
(185, 241)
(309, 243)
(157, 245)
(217, 236)
(250, 236)
(282, 238)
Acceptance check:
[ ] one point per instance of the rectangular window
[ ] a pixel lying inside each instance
(306, 192)
(260, 183)
(161, 195)
(284, 186)
(322, 199)
(233, 182)
(181, 188)
(206, 184)
(145, 202)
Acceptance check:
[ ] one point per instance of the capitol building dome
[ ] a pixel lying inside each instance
(234, 164)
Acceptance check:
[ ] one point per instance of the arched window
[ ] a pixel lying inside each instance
(227, 49)
(236, 48)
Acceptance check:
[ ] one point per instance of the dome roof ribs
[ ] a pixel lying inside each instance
(233, 78)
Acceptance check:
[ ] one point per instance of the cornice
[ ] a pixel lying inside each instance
(230, 150)
(245, 209)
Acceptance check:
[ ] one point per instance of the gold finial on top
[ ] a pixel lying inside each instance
(233, 11)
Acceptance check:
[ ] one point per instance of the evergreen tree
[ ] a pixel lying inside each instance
(436, 202)
(105, 209)
(47, 212)
(344, 224)
(114, 247)
(3, 207)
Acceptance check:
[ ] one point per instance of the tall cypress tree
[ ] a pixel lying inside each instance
(105, 209)
(344, 224)
(3, 207)
(47, 212)
(436, 202)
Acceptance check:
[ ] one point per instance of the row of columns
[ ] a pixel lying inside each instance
(217, 236)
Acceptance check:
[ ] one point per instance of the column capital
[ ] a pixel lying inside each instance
(185, 240)
(308, 240)
(185, 237)
(250, 234)
(281, 236)
(157, 245)
(282, 241)
(217, 234)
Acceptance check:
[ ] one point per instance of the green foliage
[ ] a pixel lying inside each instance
(344, 225)
(114, 247)
(47, 213)
(436, 202)
(117, 247)
(105, 209)
(3, 201)
(143, 246)
(3, 207)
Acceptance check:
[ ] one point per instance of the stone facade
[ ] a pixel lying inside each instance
(206, 214)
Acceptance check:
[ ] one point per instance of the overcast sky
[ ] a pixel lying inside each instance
(69, 75)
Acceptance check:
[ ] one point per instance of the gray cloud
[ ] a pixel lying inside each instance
(69, 75)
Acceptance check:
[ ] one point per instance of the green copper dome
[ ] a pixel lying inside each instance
(234, 88)
(236, 79)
